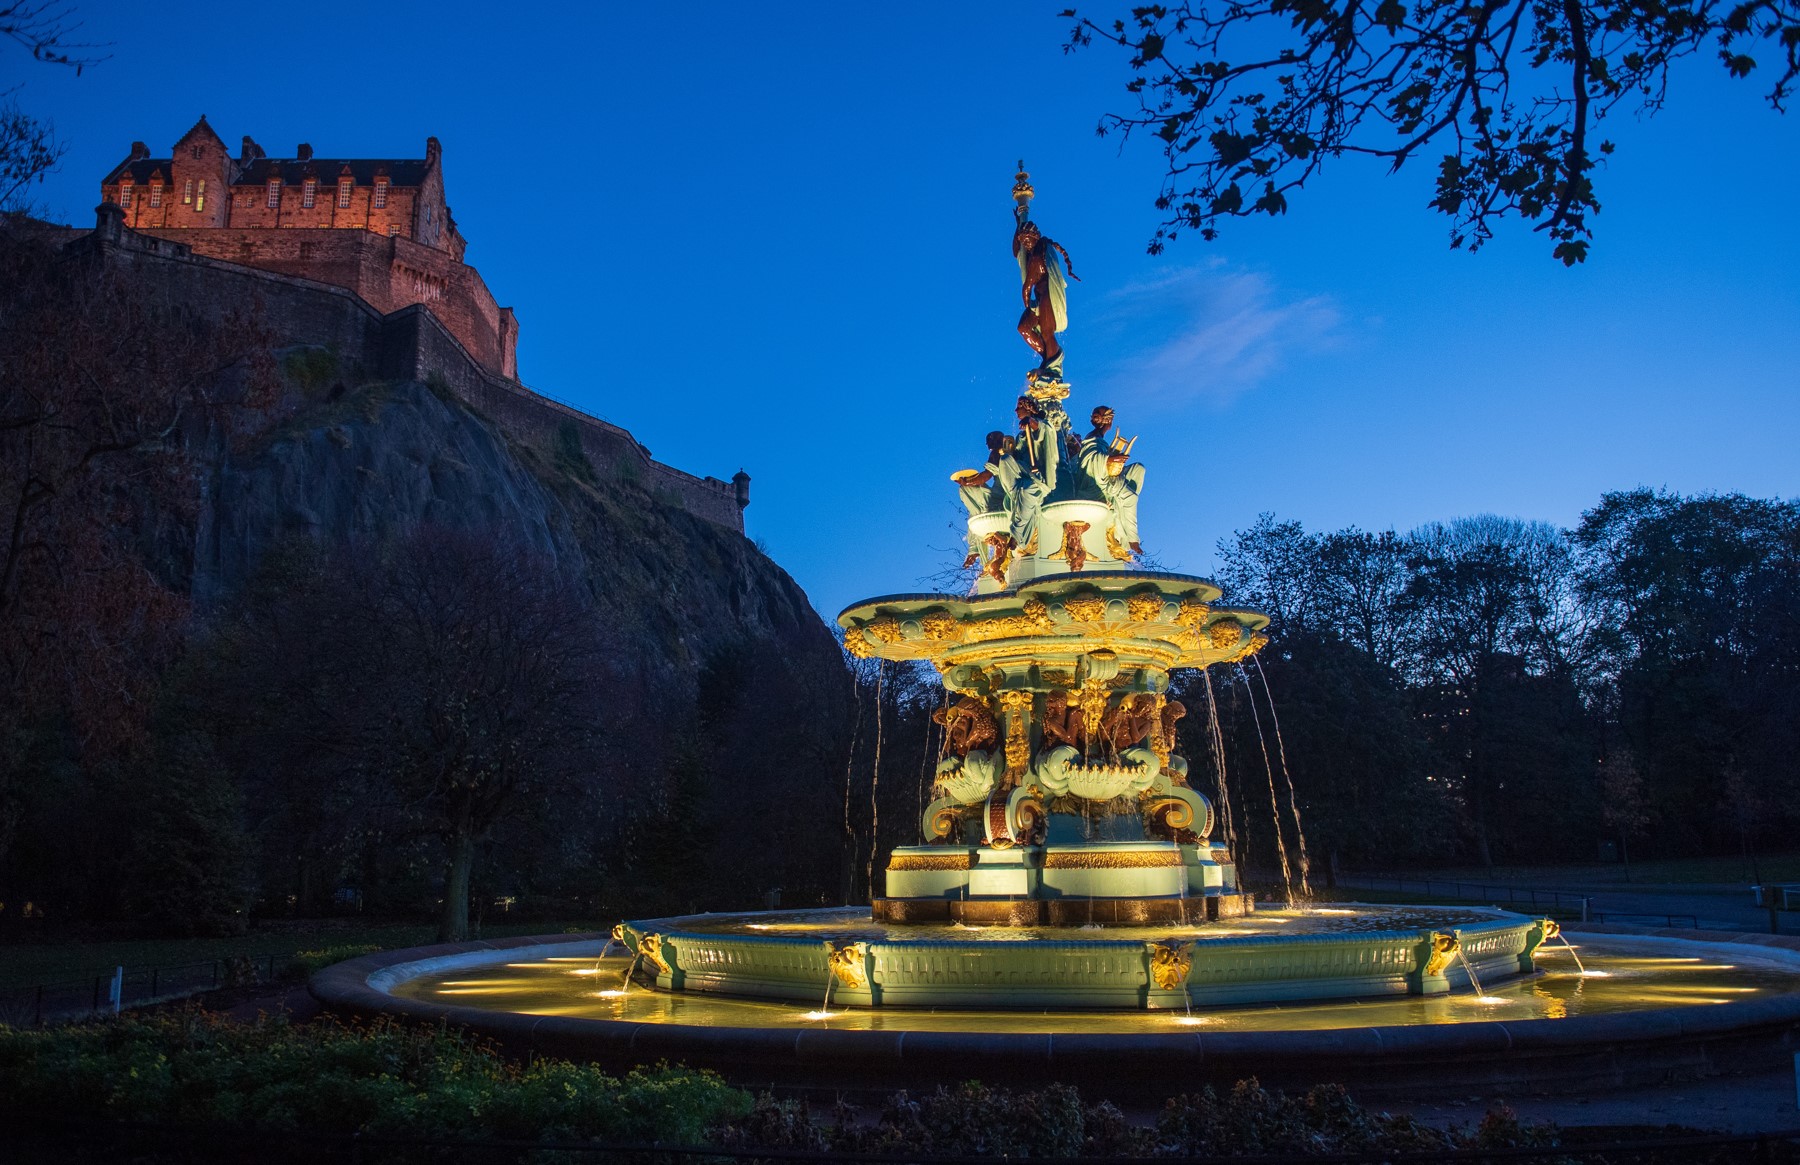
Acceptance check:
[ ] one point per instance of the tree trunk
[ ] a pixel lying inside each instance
(453, 922)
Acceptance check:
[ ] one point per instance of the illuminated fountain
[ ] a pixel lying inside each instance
(1075, 912)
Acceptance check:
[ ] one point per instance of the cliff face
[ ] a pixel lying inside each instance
(386, 460)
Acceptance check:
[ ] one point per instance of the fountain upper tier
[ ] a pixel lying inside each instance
(1151, 622)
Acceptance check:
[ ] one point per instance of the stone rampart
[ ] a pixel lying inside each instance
(410, 343)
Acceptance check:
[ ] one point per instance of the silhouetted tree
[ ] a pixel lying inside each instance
(1249, 100)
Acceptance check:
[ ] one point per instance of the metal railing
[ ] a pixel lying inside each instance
(1564, 900)
(42, 1003)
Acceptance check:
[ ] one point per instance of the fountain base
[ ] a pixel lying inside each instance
(1064, 912)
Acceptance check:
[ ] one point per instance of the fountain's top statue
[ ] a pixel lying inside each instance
(1063, 651)
(1044, 291)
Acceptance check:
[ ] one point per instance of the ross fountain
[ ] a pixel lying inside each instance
(1075, 899)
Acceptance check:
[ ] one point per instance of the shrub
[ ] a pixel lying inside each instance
(191, 1068)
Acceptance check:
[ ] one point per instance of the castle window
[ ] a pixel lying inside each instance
(274, 193)
(187, 193)
(200, 197)
(125, 195)
(307, 190)
(193, 151)
(393, 229)
(155, 194)
(381, 185)
(344, 192)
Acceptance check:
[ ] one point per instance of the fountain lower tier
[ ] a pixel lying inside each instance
(1100, 884)
(869, 965)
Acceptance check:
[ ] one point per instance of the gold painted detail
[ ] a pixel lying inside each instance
(929, 861)
(1093, 706)
(1017, 706)
(1552, 928)
(1170, 963)
(1131, 859)
(938, 626)
(618, 935)
(883, 627)
(1176, 813)
(1116, 548)
(1225, 634)
(857, 644)
(1442, 947)
(650, 947)
(848, 963)
(1144, 608)
(1085, 608)
(942, 822)
(1193, 612)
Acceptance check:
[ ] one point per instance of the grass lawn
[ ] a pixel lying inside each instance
(28, 962)
(1676, 871)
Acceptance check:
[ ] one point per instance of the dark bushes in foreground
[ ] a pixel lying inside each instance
(194, 1069)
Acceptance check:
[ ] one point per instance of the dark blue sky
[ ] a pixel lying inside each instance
(776, 237)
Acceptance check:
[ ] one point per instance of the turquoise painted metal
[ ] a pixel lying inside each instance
(997, 971)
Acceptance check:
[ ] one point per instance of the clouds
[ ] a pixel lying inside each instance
(1206, 334)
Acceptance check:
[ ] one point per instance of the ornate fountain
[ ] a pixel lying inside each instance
(1060, 797)
(1060, 801)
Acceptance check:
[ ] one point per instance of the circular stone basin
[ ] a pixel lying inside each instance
(1647, 1010)
(1278, 955)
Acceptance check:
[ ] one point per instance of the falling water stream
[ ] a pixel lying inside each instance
(1227, 823)
(1281, 852)
(1469, 969)
(1281, 754)
(1572, 954)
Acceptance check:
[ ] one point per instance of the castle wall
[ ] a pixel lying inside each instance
(410, 343)
(389, 272)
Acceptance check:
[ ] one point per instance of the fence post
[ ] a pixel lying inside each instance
(115, 994)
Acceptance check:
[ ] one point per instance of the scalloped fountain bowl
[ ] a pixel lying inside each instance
(1368, 996)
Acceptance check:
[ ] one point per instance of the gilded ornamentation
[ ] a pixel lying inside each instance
(938, 626)
(1120, 860)
(1173, 811)
(1073, 548)
(886, 628)
(1085, 608)
(1092, 699)
(1116, 548)
(1193, 612)
(1225, 634)
(1144, 608)
(650, 947)
(1170, 962)
(856, 644)
(943, 822)
(930, 861)
(1442, 947)
(1035, 617)
(1017, 706)
(848, 961)
(1552, 928)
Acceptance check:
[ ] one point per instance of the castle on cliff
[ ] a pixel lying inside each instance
(213, 228)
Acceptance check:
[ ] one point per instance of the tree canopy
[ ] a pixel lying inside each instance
(1250, 98)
